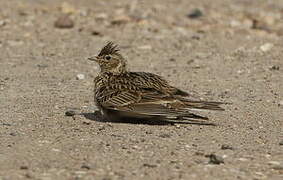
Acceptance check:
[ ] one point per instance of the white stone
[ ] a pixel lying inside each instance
(80, 76)
(56, 150)
(266, 47)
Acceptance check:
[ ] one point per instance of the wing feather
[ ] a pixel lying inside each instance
(119, 99)
(151, 96)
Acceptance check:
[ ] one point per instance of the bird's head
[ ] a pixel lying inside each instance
(110, 60)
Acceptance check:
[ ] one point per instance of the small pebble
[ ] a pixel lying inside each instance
(80, 76)
(281, 142)
(215, 159)
(13, 134)
(149, 165)
(266, 47)
(64, 22)
(70, 113)
(96, 33)
(275, 68)
(280, 103)
(23, 167)
(226, 146)
(56, 150)
(267, 155)
(85, 167)
(2, 23)
(178, 126)
(196, 13)
(86, 122)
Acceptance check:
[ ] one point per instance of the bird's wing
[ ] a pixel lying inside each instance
(118, 99)
(153, 81)
(161, 108)
(112, 98)
(148, 94)
(147, 103)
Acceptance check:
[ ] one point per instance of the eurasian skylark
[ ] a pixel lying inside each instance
(119, 93)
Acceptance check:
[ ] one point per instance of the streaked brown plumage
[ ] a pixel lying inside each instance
(120, 93)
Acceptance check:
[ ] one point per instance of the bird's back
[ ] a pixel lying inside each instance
(134, 81)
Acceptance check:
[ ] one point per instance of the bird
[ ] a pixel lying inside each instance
(120, 93)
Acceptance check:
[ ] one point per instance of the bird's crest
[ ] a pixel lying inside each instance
(110, 48)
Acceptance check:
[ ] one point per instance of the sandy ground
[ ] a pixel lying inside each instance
(232, 52)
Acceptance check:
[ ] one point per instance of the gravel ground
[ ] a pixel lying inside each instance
(220, 50)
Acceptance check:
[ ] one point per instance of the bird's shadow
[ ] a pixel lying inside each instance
(96, 116)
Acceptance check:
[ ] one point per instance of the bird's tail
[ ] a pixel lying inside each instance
(203, 105)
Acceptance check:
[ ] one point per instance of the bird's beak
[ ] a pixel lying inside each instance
(95, 58)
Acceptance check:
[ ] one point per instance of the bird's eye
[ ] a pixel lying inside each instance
(107, 57)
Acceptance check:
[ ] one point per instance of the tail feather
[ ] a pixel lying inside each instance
(206, 105)
(192, 116)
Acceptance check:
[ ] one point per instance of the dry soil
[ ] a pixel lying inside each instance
(220, 50)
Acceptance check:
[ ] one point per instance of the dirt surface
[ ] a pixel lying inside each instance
(221, 50)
